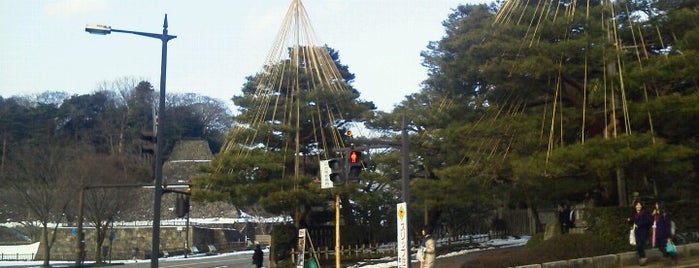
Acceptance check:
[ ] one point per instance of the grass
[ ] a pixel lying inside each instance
(562, 247)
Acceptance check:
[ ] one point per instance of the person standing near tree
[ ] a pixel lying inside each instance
(428, 249)
(571, 216)
(258, 256)
(564, 218)
(642, 223)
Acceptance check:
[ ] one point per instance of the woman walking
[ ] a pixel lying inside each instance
(427, 251)
(661, 230)
(642, 223)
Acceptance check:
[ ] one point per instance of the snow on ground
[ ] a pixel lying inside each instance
(174, 258)
(387, 262)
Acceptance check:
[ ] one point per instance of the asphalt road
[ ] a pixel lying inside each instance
(215, 261)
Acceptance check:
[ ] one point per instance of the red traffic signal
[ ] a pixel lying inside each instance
(354, 157)
(355, 165)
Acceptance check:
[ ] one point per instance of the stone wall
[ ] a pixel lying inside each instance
(126, 239)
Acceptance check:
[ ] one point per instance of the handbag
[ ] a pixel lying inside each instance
(670, 247)
(421, 254)
(632, 237)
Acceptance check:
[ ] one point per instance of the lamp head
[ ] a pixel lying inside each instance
(98, 29)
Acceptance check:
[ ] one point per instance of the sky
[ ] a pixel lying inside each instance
(44, 46)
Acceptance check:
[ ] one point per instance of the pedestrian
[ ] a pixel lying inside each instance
(258, 256)
(428, 249)
(564, 218)
(134, 254)
(641, 222)
(571, 216)
(662, 234)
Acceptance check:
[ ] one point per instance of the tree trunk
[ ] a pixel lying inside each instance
(621, 188)
(4, 151)
(534, 220)
(46, 250)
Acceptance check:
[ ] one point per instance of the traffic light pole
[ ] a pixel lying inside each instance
(80, 246)
(337, 231)
(186, 236)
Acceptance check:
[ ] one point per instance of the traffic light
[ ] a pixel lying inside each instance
(354, 164)
(337, 171)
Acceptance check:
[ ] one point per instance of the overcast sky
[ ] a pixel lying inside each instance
(44, 46)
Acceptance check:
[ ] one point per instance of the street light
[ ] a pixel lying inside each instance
(160, 141)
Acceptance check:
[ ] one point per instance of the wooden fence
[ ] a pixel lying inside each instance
(379, 250)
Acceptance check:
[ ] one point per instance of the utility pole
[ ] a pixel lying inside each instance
(405, 173)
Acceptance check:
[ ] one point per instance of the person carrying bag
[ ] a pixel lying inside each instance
(641, 222)
(662, 233)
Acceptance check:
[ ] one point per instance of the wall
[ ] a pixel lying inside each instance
(172, 238)
(172, 241)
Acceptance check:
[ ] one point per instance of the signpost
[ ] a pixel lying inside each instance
(402, 235)
(301, 249)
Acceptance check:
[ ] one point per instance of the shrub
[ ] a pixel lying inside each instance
(611, 224)
(285, 264)
(284, 238)
(535, 240)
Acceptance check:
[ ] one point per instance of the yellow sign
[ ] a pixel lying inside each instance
(402, 235)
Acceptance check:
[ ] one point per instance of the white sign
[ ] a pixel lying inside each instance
(301, 249)
(325, 170)
(402, 231)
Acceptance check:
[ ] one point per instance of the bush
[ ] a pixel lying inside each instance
(561, 247)
(611, 224)
(535, 240)
(284, 238)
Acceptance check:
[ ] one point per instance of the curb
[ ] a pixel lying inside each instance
(618, 260)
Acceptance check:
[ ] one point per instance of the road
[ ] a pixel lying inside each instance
(243, 260)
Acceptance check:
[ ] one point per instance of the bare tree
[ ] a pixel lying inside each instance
(37, 179)
(108, 185)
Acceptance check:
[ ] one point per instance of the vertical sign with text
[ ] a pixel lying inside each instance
(325, 181)
(402, 232)
(301, 249)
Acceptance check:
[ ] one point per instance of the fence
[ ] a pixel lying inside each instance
(379, 250)
(17, 257)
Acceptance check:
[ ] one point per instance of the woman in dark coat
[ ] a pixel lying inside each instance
(258, 257)
(643, 222)
(661, 229)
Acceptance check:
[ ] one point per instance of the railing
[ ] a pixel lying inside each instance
(17, 257)
(135, 224)
(373, 250)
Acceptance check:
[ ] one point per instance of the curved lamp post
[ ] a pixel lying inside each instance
(160, 141)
